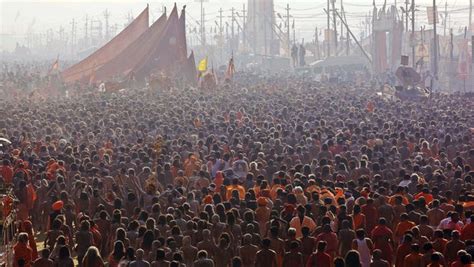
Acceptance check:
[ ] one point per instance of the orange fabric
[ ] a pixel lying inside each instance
(467, 233)
(31, 196)
(402, 227)
(312, 188)
(391, 200)
(358, 221)
(52, 168)
(307, 221)
(273, 191)
(207, 199)
(469, 205)
(190, 165)
(327, 194)
(239, 188)
(219, 180)
(428, 197)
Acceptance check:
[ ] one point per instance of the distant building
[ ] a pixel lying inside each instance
(260, 28)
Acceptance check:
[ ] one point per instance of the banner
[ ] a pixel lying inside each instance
(432, 18)
(380, 58)
(329, 35)
(464, 60)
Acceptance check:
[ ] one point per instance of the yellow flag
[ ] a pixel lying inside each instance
(202, 67)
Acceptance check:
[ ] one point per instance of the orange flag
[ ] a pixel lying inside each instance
(230, 69)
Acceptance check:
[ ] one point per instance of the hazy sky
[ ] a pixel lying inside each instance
(17, 16)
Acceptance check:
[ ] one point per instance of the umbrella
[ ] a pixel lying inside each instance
(407, 75)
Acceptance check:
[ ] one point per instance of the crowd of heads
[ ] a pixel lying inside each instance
(266, 171)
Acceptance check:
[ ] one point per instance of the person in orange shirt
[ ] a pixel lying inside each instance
(275, 187)
(235, 186)
(426, 194)
(219, 180)
(403, 226)
(415, 258)
(370, 212)
(191, 164)
(358, 219)
(22, 251)
(467, 233)
(399, 192)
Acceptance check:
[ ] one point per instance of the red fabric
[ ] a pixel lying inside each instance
(134, 54)
(31, 196)
(7, 174)
(84, 69)
(402, 251)
(167, 55)
(319, 259)
(97, 237)
(331, 240)
(380, 51)
(380, 233)
(22, 251)
(467, 233)
(428, 197)
(371, 214)
(28, 228)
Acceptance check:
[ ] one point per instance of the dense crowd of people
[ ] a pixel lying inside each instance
(267, 171)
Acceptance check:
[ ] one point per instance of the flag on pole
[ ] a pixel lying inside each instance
(55, 66)
(202, 67)
(230, 69)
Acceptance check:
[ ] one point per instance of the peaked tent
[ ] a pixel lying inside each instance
(134, 54)
(169, 54)
(190, 72)
(181, 36)
(85, 68)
